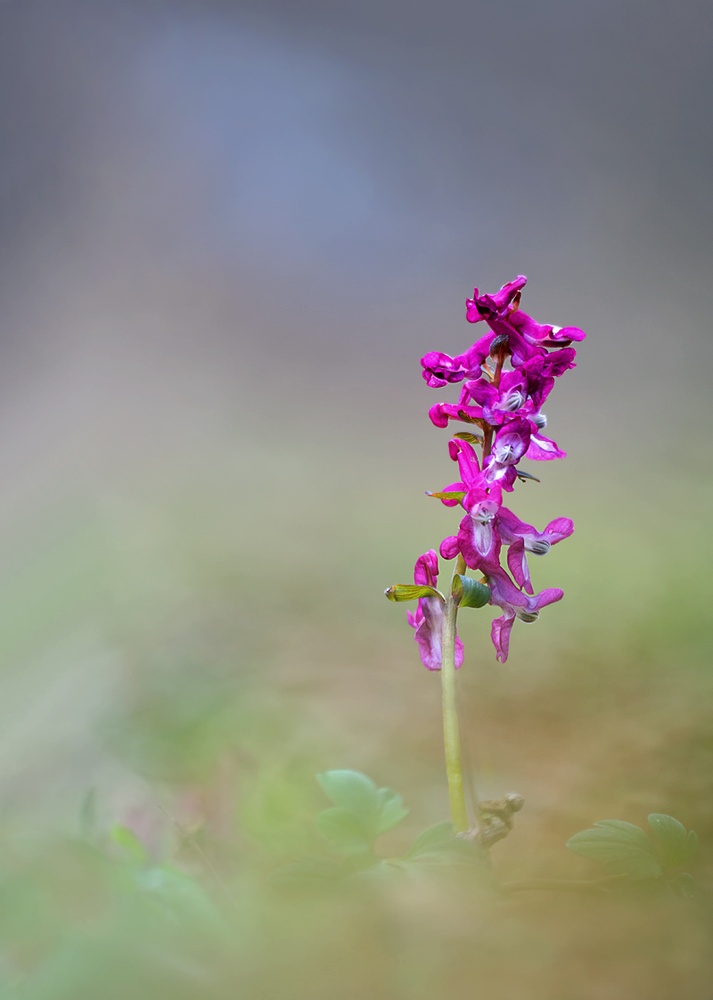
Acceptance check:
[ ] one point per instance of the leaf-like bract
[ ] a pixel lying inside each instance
(469, 593)
(410, 592)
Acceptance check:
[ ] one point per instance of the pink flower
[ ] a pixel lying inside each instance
(524, 336)
(428, 617)
(523, 538)
(515, 604)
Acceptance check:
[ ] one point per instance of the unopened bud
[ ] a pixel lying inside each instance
(515, 801)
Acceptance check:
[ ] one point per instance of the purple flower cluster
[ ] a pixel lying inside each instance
(506, 377)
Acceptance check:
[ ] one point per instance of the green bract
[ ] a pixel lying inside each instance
(468, 593)
(411, 592)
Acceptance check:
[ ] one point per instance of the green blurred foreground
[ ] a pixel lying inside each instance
(177, 672)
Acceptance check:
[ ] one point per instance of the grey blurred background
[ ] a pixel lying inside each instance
(229, 232)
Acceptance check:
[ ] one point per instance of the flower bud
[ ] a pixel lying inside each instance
(515, 801)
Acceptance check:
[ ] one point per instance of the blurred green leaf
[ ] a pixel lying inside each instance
(435, 838)
(622, 847)
(182, 895)
(351, 790)
(345, 832)
(683, 884)
(127, 840)
(362, 811)
(676, 845)
(391, 809)
(439, 845)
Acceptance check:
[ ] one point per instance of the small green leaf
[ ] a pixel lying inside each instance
(127, 840)
(438, 845)
(180, 893)
(351, 790)
(622, 847)
(344, 831)
(462, 415)
(411, 592)
(435, 838)
(470, 438)
(676, 845)
(391, 809)
(684, 884)
(468, 593)
(371, 810)
(526, 475)
(627, 833)
(447, 495)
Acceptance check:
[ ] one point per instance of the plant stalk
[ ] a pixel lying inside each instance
(451, 730)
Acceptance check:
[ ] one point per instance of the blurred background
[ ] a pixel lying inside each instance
(229, 232)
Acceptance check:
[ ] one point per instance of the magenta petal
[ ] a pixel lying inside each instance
(517, 564)
(561, 527)
(499, 475)
(489, 306)
(463, 452)
(533, 332)
(472, 359)
(512, 441)
(441, 413)
(558, 362)
(449, 547)
(471, 310)
(545, 597)
(428, 622)
(542, 449)
(439, 369)
(425, 572)
(510, 527)
(500, 634)
(504, 592)
(428, 637)
(438, 414)
(567, 333)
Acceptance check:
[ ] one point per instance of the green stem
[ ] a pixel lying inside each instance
(451, 732)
